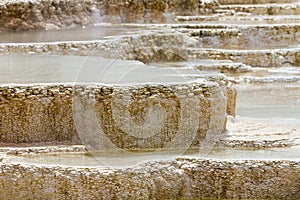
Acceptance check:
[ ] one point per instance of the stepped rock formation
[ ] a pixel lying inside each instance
(156, 99)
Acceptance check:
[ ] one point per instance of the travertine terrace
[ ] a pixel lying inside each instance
(157, 99)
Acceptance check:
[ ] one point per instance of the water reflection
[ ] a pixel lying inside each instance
(57, 69)
(74, 34)
(82, 159)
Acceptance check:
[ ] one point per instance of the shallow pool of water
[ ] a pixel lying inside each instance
(74, 34)
(117, 159)
(23, 69)
(275, 100)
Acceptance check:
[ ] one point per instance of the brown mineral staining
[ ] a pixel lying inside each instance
(30, 15)
(30, 115)
(37, 121)
(181, 178)
(44, 113)
(231, 101)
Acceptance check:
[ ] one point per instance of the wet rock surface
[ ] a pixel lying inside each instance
(33, 113)
(173, 179)
(49, 15)
(248, 121)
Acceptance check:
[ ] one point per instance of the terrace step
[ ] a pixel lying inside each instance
(50, 118)
(75, 127)
(256, 1)
(264, 9)
(206, 32)
(239, 18)
(75, 179)
(199, 18)
(254, 58)
(210, 65)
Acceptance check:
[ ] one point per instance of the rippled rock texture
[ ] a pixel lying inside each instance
(188, 178)
(253, 156)
(55, 14)
(45, 113)
(40, 14)
(149, 46)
